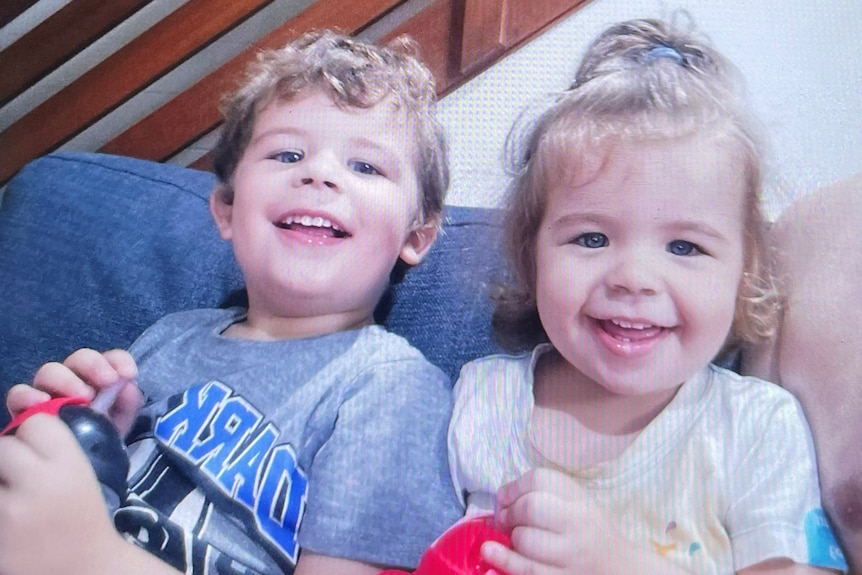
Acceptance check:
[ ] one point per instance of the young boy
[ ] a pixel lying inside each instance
(295, 423)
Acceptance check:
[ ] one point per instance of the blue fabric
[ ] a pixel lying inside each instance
(95, 248)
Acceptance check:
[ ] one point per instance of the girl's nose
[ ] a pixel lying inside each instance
(634, 274)
(310, 181)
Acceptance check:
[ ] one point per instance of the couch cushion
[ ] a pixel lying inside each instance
(94, 248)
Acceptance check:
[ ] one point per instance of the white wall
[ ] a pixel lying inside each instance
(802, 64)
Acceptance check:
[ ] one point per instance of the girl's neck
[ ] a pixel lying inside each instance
(577, 422)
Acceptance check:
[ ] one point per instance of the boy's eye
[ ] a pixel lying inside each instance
(683, 248)
(592, 240)
(289, 157)
(364, 168)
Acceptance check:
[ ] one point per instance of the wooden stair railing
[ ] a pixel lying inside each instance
(70, 29)
(195, 112)
(148, 57)
(11, 9)
(457, 38)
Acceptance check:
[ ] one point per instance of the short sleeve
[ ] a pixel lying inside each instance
(776, 511)
(492, 408)
(380, 489)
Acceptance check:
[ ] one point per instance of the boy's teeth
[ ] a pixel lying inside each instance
(309, 221)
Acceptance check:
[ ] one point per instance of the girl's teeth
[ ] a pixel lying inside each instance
(630, 325)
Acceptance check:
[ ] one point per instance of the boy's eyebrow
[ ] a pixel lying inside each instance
(359, 141)
(582, 218)
(275, 132)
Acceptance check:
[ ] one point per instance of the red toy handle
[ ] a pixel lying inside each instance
(457, 551)
(51, 407)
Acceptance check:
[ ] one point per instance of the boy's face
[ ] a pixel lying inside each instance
(639, 262)
(325, 202)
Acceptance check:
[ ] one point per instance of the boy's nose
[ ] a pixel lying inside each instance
(319, 169)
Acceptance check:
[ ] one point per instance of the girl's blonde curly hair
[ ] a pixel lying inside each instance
(639, 81)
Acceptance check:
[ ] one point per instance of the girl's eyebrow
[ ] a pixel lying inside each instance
(376, 145)
(604, 218)
(697, 227)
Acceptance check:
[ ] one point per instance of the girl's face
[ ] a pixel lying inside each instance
(638, 262)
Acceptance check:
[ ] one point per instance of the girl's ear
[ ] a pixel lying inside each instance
(419, 241)
(221, 212)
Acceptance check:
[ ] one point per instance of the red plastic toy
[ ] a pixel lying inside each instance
(50, 407)
(456, 552)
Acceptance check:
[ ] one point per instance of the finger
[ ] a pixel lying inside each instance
(15, 458)
(58, 380)
(539, 479)
(48, 437)
(510, 562)
(123, 363)
(540, 546)
(538, 509)
(22, 396)
(125, 408)
(93, 367)
(508, 493)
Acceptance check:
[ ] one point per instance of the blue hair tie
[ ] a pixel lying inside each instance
(663, 51)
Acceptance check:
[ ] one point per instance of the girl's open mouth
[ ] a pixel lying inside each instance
(629, 338)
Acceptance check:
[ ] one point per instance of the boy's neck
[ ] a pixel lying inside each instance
(268, 328)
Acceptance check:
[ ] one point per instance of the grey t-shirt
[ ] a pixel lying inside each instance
(248, 451)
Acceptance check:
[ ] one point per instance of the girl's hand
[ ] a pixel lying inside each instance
(555, 528)
(52, 515)
(84, 373)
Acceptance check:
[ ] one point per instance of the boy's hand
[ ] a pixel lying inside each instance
(84, 373)
(555, 528)
(52, 515)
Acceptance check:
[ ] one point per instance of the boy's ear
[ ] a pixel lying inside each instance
(222, 213)
(419, 241)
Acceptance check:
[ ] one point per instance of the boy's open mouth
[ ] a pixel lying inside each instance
(312, 226)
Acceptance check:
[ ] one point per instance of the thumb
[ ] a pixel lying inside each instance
(124, 407)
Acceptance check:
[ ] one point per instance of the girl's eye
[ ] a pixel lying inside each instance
(364, 168)
(683, 248)
(288, 157)
(592, 240)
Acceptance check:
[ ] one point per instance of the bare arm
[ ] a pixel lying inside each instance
(783, 567)
(312, 564)
(816, 356)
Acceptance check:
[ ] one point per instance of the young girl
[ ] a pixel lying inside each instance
(634, 234)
